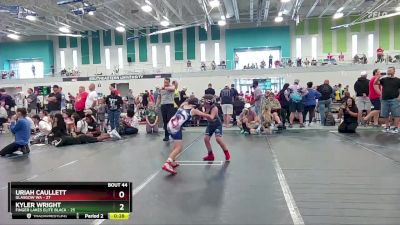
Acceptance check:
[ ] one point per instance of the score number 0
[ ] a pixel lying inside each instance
(121, 194)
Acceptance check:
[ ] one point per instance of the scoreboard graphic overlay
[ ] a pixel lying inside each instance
(70, 200)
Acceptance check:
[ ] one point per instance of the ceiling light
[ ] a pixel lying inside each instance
(340, 9)
(146, 8)
(148, 2)
(222, 23)
(120, 29)
(13, 36)
(15, 32)
(278, 19)
(398, 9)
(285, 1)
(121, 24)
(214, 3)
(164, 23)
(222, 17)
(31, 18)
(91, 13)
(165, 18)
(338, 15)
(64, 29)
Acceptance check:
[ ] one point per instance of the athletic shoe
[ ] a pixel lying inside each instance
(165, 139)
(241, 131)
(386, 130)
(57, 142)
(227, 155)
(174, 164)
(290, 125)
(169, 168)
(394, 131)
(114, 134)
(209, 157)
(25, 149)
(301, 125)
(246, 133)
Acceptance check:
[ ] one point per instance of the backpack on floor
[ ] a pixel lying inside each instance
(330, 120)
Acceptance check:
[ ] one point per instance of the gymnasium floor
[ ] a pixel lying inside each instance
(315, 176)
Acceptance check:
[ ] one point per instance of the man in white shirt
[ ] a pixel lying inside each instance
(91, 100)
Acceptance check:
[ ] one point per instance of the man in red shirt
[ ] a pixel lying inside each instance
(375, 93)
(80, 102)
(379, 53)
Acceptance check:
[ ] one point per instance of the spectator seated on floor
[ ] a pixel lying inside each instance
(3, 115)
(248, 120)
(350, 117)
(21, 128)
(271, 109)
(151, 119)
(130, 123)
(43, 128)
(263, 64)
(59, 128)
(213, 65)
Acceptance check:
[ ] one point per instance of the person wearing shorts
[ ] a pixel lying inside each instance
(214, 127)
(361, 86)
(390, 103)
(226, 104)
(184, 113)
(375, 93)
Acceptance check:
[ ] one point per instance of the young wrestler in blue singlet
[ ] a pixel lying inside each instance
(214, 126)
(184, 113)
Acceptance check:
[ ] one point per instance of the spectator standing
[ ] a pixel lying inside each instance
(379, 54)
(166, 102)
(295, 94)
(361, 87)
(226, 104)
(375, 93)
(114, 104)
(182, 95)
(32, 101)
(270, 59)
(325, 100)
(21, 128)
(80, 102)
(63, 99)
(257, 97)
(310, 102)
(390, 103)
(209, 90)
(91, 100)
(8, 101)
(284, 101)
(54, 101)
(145, 99)
(20, 100)
(131, 100)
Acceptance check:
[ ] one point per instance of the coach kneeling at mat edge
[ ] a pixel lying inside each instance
(21, 128)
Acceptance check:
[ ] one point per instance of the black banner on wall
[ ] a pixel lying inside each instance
(116, 77)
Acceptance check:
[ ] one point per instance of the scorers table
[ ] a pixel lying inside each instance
(70, 200)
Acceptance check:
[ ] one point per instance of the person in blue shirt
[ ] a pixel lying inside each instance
(310, 102)
(21, 128)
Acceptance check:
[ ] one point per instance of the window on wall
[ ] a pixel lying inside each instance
(62, 59)
(75, 58)
(120, 59)
(202, 52)
(154, 55)
(298, 47)
(370, 45)
(314, 48)
(354, 46)
(107, 54)
(216, 52)
(167, 56)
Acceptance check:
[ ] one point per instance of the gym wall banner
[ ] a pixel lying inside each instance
(116, 77)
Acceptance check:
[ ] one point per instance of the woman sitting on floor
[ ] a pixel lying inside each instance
(43, 128)
(92, 135)
(350, 117)
(59, 128)
(130, 123)
(274, 107)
